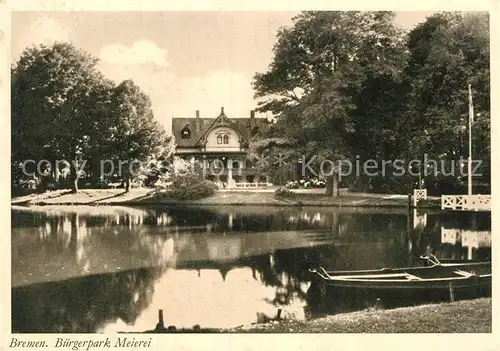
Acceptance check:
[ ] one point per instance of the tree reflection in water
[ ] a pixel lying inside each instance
(64, 245)
(81, 305)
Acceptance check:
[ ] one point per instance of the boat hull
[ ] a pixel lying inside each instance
(389, 288)
(441, 284)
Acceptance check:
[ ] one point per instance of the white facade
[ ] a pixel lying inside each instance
(222, 139)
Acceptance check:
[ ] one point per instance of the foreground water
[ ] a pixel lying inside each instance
(109, 269)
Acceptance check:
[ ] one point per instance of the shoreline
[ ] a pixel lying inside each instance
(147, 197)
(468, 316)
(194, 203)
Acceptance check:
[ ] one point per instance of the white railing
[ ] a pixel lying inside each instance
(419, 194)
(252, 185)
(466, 202)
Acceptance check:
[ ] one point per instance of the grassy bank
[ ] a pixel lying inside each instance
(472, 316)
(259, 198)
(468, 316)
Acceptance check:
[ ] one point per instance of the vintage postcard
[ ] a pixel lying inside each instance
(247, 172)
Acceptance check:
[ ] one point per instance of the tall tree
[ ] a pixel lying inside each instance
(324, 74)
(54, 110)
(448, 52)
(64, 109)
(136, 134)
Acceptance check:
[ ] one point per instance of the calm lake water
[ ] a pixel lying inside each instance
(109, 269)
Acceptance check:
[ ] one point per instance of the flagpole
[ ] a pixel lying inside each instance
(469, 163)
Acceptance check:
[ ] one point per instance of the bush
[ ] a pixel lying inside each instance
(190, 187)
(305, 183)
(284, 192)
(382, 185)
(162, 183)
(211, 184)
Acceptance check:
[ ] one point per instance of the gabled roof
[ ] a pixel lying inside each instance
(242, 125)
(221, 121)
(178, 123)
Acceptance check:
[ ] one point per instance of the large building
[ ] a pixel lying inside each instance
(221, 144)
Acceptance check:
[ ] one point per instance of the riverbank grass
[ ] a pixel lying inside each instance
(469, 316)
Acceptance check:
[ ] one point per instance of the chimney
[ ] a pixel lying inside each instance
(222, 110)
(197, 124)
(252, 119)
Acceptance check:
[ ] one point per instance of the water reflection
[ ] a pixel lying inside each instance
(188, 298)
(81, 305)
(54, 246)
(215, 267)
(472, 240)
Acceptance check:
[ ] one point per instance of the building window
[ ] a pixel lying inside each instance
(223, 139)
(235, 165)
(186, 133)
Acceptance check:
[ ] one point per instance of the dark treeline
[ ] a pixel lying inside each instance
(352, 85)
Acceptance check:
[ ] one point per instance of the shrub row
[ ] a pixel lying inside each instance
(190, 187)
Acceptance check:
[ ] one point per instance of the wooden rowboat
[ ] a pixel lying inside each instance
(431, 277)
(401, 286)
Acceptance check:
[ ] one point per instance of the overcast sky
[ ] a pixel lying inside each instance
(185, 61)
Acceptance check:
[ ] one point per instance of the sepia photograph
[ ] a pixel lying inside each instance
(316, 171)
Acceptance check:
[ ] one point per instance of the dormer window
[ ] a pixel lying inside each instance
(223, 139)
(186, 132)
